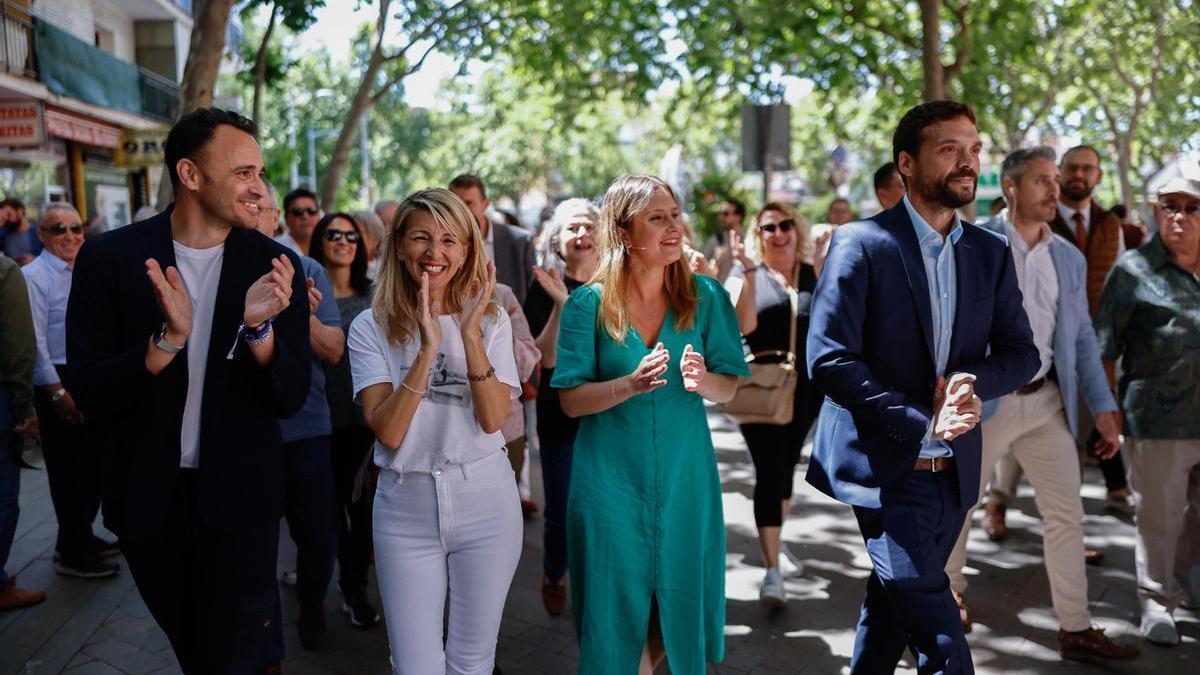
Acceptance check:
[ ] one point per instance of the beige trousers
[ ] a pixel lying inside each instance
(1165, 478)
(1033, 429)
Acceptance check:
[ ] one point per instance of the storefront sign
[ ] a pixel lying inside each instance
(142, 147)
(21, 124)
(82, 130)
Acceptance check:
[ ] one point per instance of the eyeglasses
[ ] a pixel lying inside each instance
(61, 228)
(300, 211)
(338, 235)
(783, 226)
(1172, 208)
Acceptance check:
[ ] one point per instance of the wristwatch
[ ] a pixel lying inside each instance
(160, 341)
(58, 395)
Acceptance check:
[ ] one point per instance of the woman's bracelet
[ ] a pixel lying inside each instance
(418, 392)
(480, 378)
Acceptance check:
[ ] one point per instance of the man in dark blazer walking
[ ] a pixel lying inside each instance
(511, 248)
(916, 318)
(187, 347)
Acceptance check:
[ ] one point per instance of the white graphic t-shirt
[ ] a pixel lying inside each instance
(444, 429)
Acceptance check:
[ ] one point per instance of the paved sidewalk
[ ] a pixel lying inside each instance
(102, 627)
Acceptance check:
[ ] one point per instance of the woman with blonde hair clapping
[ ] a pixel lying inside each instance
(639, 349)
(433, 367)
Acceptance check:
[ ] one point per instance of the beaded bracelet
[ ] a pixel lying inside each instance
(480, 378)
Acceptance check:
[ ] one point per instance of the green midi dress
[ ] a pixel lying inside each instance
(644, 515)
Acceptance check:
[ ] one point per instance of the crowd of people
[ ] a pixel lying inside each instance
(380, 378)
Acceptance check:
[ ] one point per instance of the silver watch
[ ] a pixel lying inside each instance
(160, 341)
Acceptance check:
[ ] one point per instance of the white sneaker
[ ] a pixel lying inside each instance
(1159, 627)
(789, 564)
(772, 593)
(288, 578)
(1191, 587)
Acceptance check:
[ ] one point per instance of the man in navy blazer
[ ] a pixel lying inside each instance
(184, 344)
(916, 318)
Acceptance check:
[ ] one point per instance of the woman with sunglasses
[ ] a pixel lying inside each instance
(639, 350)
(337, 244)
(71, 464)
(433, 367)
(569, 258)
(764, 309)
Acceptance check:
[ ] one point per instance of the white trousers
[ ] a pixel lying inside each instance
(1034, 429)
(1165, 478)
(456, 530)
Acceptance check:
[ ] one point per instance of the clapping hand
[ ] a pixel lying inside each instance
(648, 375)
(314, 296)
(552, 283)
(738, 247)
(173, 301)
(477, 302)
(428, 312)
(692, 365)
(956, 408)
(271, 294)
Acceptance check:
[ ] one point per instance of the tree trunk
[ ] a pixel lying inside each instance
(205, 49)
(931, 50)
(331, 181)
(1123, 145)
(260, 64)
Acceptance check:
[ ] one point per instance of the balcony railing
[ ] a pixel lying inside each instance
(71, 67)
(17, 40)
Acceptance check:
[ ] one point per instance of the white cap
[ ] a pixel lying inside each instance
(1180, 185)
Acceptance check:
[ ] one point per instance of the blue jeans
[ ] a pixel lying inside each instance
(908, 601)
(556, 482)
(312, 521)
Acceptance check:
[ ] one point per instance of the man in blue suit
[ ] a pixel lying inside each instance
(1039, 421)
(909, 300)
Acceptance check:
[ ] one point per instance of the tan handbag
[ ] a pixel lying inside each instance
(766, 396)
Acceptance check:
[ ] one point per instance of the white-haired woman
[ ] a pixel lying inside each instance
(639, 349)
(778, 279)
(432, 364)
(569, 259)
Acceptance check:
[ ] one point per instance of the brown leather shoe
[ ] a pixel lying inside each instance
(962, 611)
(554, 596)
(16, 598)
(993, 521)
(1093, 556)
(1093, 644)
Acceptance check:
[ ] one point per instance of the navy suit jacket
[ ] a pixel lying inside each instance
(111, 316)
(870, 350)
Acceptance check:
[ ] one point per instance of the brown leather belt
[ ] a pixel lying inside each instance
(1037, 384)
(934, 464)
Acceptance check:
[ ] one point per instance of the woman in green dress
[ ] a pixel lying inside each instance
(639, 348)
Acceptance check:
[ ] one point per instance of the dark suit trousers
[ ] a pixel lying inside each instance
(213, 592)
(908, 601)
(73, 470)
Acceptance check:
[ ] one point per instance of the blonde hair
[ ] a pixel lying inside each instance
(754, 244)
(624, 199)
(396, 306)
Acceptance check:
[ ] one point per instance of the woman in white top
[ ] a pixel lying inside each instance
(433, 367)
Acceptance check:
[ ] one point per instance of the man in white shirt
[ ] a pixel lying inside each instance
(1036, 423)
(187, 339)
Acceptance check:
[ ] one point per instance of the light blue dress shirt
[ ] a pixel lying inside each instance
(48, 278)
(937, 253)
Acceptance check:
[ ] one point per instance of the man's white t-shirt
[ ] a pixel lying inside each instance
(444, 430)
(201, 272)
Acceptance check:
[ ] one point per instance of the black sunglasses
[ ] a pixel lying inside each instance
(300, 211)
(783, 225)
(338, 235)
(1171, 208)
(61, 228)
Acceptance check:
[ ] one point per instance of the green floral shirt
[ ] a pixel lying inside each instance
(1149, 315)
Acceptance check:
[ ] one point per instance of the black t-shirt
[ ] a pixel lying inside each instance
(771, 334)
(553, 425)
